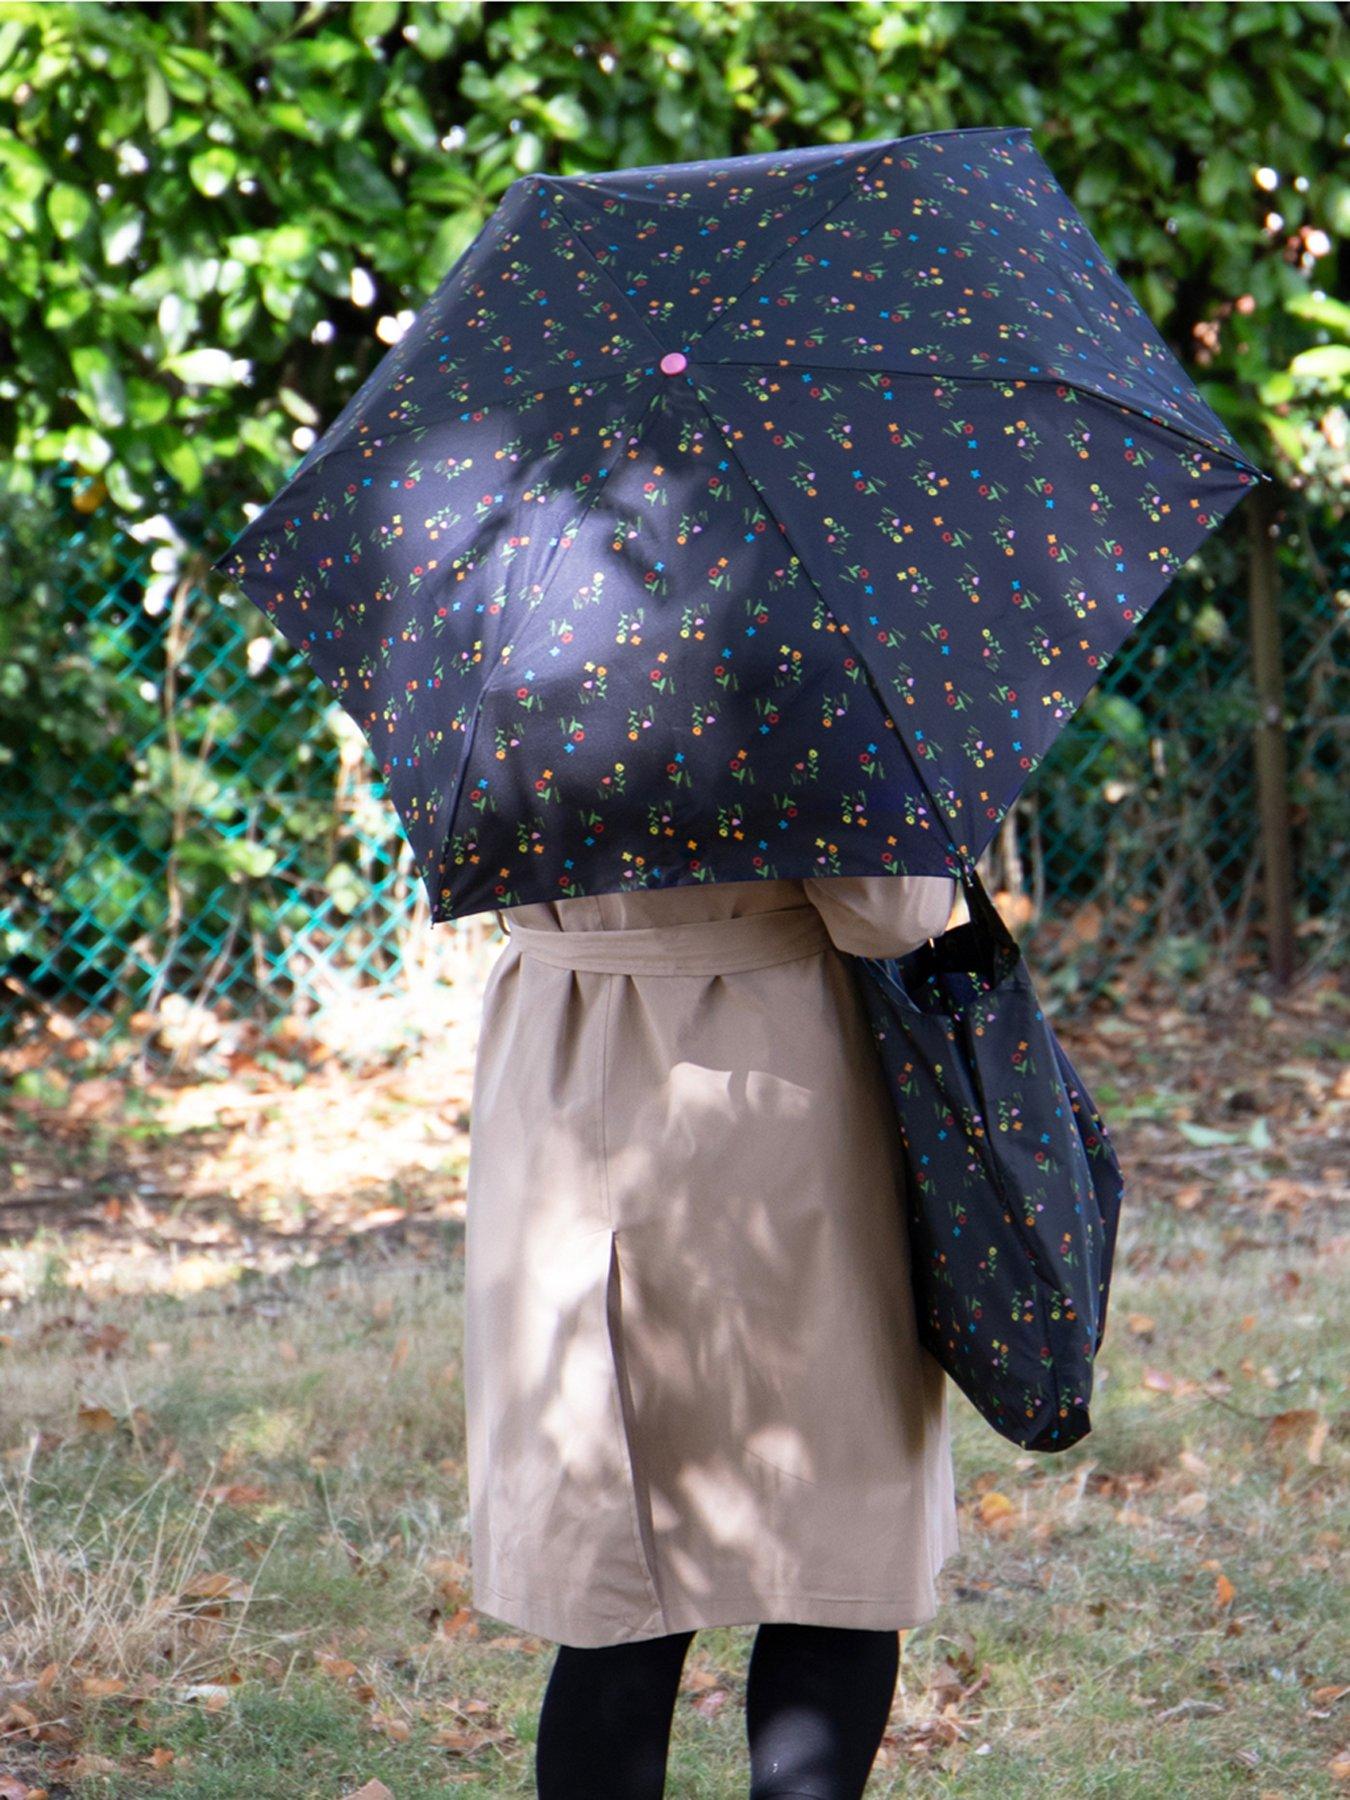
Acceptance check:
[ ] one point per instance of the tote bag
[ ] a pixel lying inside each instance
(1014, 1189)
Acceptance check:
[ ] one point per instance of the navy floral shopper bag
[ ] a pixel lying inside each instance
(1014, 1189)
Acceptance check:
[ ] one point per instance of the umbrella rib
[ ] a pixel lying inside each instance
(631, 436)
(1234, 455)
(393, 431)
(884, 704)
(844, 199)
(575, 236)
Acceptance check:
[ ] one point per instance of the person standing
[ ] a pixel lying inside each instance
(694, 1391)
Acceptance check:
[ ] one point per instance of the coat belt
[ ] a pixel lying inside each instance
(700, 947)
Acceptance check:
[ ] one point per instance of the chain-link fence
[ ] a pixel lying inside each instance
(185, 814)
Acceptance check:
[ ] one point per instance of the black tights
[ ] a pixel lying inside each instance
(817, 1699)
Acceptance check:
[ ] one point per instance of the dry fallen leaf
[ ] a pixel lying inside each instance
(1223, 1591)
(238, 1493)
(461, 1623)
(336, 1666)
(214, 1587)
(1300, 1423)
(214, 1696)
(994, 1506)
(373, 1790)
(1189, 1506)
(697, 1680)
(107, 1340)
(102, 1687)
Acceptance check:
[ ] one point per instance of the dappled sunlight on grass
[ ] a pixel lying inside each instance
(234, 1540)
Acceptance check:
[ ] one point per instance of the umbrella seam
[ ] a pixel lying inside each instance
(492, 681)
(595, 177)
(573, 234)
(1234, 456)
(688, 343)
(843, 200)
(882, 701)
(393, 431)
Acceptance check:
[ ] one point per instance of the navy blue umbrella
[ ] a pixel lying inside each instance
(767, 516)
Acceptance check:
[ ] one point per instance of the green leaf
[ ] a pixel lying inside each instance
(1301, 114)
(158, 105)
(1288, 438)
(298, 407)
(1325, 362)
(435, 35)
(362, 187)
(1205, 1136)
(69, 209)
(25, 172)
(410, 121)
(121, 235)
(1119, 719)
(103, 395)
(1097, 184)
(125, 494)
(1229, 95)
(1279, 388)
(239, 857)
(373, 19)
(11, 36)
(88, 448)
(1221, 174)
(67, 308)
(179, 458)
(528, 152)
(564, 116)
(345, 887)
(203, 368)
(213, 170)
(147, 401)
(1338, 210)
(1322, 310)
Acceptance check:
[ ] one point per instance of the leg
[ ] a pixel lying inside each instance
(816, 1703)
(604, 1727)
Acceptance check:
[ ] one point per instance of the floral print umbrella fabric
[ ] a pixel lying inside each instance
(767, 516)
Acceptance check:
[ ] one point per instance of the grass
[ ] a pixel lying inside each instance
(233, 1552)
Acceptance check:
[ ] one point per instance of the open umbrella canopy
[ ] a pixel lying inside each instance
(767, 516)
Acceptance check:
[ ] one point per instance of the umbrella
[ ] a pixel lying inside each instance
(760, 517)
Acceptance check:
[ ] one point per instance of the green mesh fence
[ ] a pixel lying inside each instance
(184, 813)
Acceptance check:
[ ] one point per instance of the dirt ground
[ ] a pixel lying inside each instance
(233, 1547)
(258, 1148)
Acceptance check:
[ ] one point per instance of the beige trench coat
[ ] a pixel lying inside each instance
(694, 1394)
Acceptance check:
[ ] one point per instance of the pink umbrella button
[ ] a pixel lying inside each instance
(673, 362)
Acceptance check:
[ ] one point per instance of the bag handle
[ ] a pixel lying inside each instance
(985, 917)
(978, 904)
